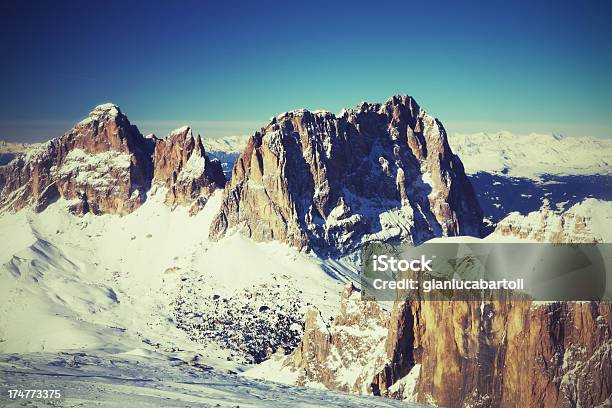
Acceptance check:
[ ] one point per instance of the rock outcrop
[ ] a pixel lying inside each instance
(343, 355)
(104, 165)
(182, 166)
(502, 353)
(583, 222)
(330, 183)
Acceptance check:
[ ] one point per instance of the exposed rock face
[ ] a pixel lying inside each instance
(583, 222)
(512, 353)
(103, 164)
(182, 166)
(502, 353)
(346, 355)
(329, 183)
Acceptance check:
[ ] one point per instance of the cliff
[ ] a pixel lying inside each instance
(330, 183)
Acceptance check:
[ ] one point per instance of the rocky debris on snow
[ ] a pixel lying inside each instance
(254, 323)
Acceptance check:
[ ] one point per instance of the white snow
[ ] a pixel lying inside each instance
(90, 301)
(406, 385)
(180, 130)
(194, 168)
(71, 282)
(143, 379)
(100, 113)
(227, 144)
(585, 221)
(94, 169)
(533, 154)
(15, 147)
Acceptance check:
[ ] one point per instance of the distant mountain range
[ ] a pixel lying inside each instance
(502, 153)
(509, 172)
(234, 251)
(532, 155)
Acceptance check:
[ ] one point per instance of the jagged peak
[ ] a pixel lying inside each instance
(362, 106)
(302, 112)
(183, 130)
(103, 112)
(399, 99)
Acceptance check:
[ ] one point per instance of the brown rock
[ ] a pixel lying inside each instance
(181, 165)
(506, 353)
(328, 183)
(103, 164)
(502, 353)
(346, 354)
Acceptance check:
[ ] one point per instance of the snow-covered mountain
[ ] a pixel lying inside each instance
(532, 155)
(381, 171)
(133, 256)
(10, 150)
(511, 172)
(554, 351)
(226, 149)
(104, 165)
(587, 221)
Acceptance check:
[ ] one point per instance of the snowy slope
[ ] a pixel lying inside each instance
(107, 308)
(532, 155)
(144, 379)
(149, 279)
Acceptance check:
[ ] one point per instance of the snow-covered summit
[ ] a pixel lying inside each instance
(103, 112)
(181, 130)
(226, 144)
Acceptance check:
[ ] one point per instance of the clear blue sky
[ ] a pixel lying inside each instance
(226, 67)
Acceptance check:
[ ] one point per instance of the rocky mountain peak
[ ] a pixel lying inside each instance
(105, 111)
(478, 360)
(330, 183)
(181, 165)
(104, 165)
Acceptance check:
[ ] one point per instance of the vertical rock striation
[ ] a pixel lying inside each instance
(104, 165)
(502, 353)
(182, 166)
(330, 183)
(505, 353)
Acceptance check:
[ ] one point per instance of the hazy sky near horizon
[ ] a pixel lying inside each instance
(226, 67)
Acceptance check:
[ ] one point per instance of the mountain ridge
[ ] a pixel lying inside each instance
(381, 171)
